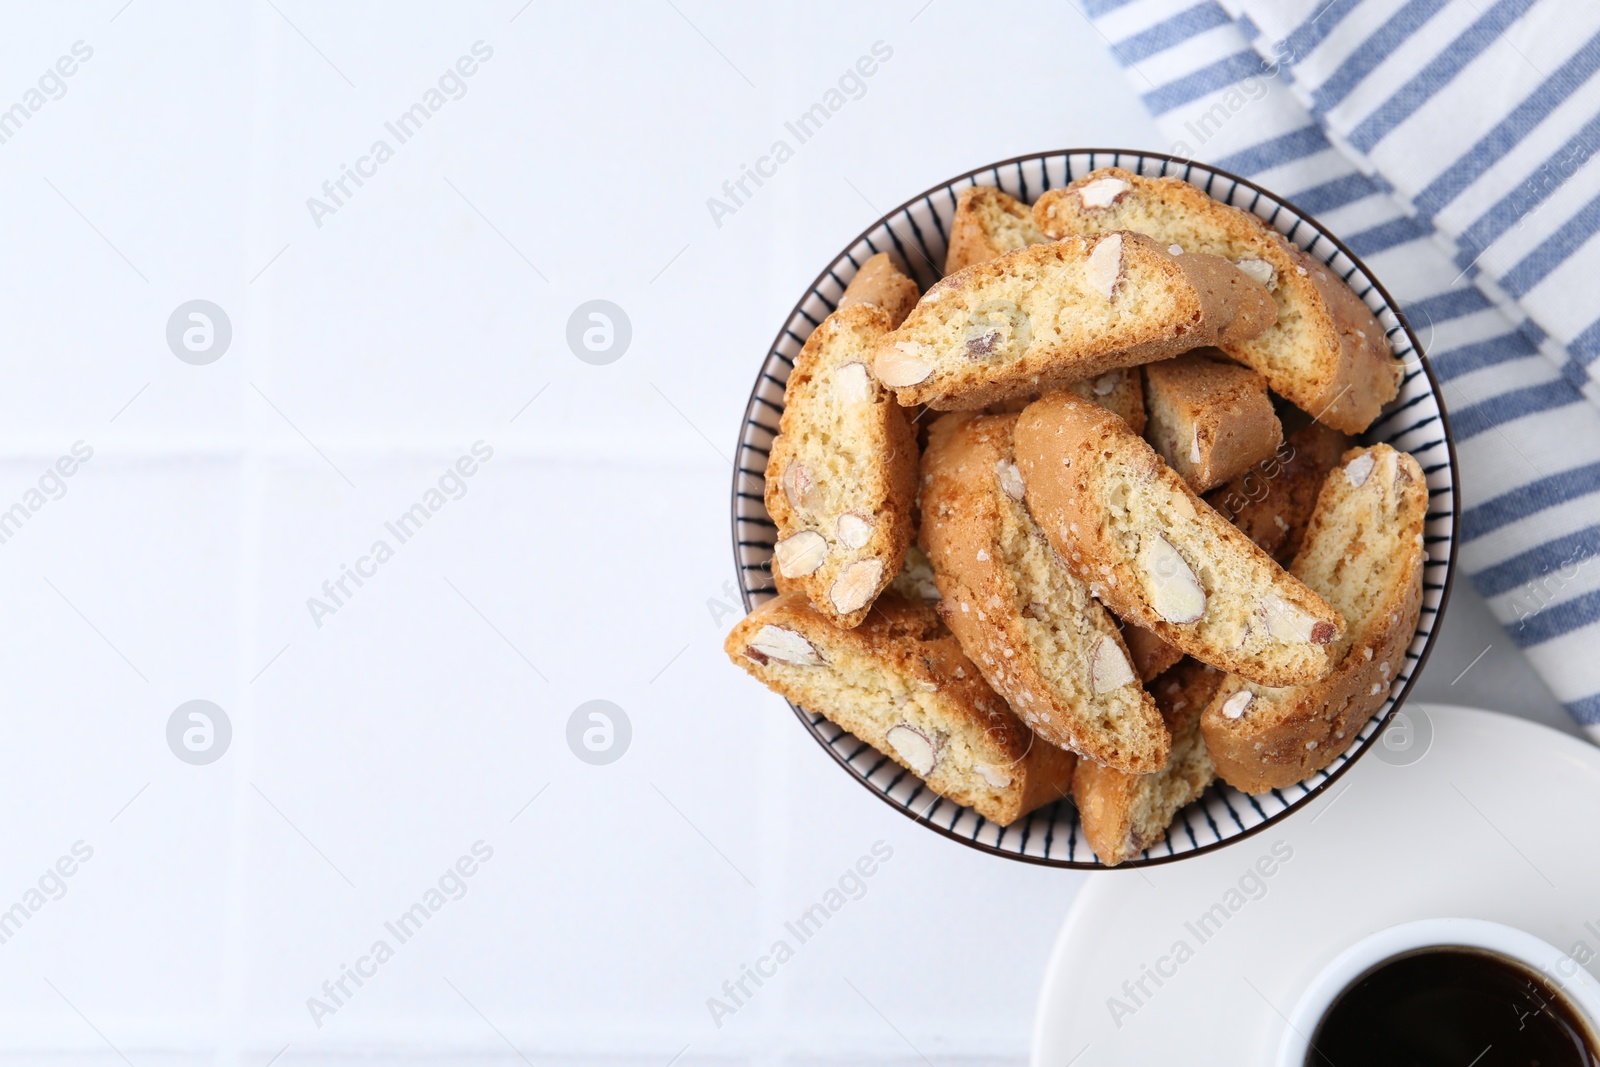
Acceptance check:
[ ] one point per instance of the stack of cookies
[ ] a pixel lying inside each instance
(1138, 552)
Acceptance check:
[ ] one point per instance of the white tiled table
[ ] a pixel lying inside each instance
(585, 560)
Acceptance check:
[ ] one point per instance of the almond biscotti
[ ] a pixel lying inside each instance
(901, 683)
(1325, 353)
(1051, 314)
(842, 475)
(1123, 814)
(1159, 556)
(1272, 502)
(1362, 551)
(988, 223)
(882, 283)
(1030, 626)
(1211, 420)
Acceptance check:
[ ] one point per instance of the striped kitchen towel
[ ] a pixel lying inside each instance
(1448, 143)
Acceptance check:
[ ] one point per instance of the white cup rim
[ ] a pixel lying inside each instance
(1561, 971)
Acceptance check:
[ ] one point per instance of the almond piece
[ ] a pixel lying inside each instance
(1104, 384)
(1102, 193)
(995, 776)
(803, 494)
(915, 747)
(852, 384)
(1108, 668)
(1359, 468)
(1259, 269)
(801, 554)
(856, 584)
(901, 365)
(1104, 265)
(1170, 586)
(1010, 479)
(853, 530)
(1235, 705)
(786, 646)
(1290, 622)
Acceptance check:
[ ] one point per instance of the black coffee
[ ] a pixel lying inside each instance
(1453, 1007)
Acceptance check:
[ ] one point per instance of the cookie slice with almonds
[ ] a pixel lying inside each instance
(1052, 314)
(988, 223)
(1363, 551)
(1123, 814)
(1025, 620)
(1326, 352)
(901, 683)
(1158, 555)
(841, 476)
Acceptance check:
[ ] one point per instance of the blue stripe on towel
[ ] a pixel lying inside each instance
(1518, 205)
(1386, 235)
(1314, 30)
(1555, 562)
(1336, 193)
(1439, 72)
(1095, 8)
(1174, 31)
(1511, 405)
(1441, 307)
(1553, 251)
(1509, 131)
(1380, 45)
(1276, 151)
(1536, 625)
(1203, 82)
(1531, 498)
(1585, 709)
(1464, 359)
(1585, 348)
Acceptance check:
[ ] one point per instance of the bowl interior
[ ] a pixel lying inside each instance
(918, 230)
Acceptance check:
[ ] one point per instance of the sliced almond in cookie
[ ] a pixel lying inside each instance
(801, 554)
(856, 585)
(1159, 556)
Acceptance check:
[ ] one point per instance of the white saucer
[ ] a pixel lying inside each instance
(1496, 820)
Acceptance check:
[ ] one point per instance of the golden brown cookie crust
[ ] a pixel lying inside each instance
(902, 669)
(1364, 551)
(1107, 503)
(1037, 646)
